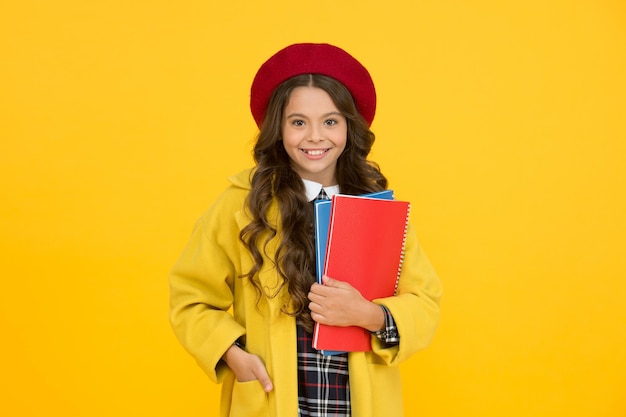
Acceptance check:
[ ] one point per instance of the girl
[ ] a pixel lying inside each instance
(243, 294)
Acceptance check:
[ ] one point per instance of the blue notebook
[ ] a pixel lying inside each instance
(322, 224)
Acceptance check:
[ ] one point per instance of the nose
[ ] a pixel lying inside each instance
(315, 134)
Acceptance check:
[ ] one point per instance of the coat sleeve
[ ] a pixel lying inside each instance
(415, 307)
(201, 293)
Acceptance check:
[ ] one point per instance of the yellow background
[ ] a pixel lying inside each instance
(502, 122)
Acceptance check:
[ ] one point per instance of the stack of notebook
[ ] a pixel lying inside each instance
(359, 240)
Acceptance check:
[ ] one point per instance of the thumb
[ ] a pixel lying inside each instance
(335, 283)
(328, 281)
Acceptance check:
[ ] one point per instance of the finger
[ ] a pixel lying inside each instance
(315, 297)
(328, 286)
(318, 318)
(315, 307)
(316, 288)
(264, 379)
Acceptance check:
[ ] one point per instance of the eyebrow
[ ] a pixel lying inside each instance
(332, 113)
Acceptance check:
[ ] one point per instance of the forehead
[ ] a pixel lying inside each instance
(310, 98)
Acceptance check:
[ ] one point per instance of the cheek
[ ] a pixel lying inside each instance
(288, 138)
(342, 140)
(293, 136)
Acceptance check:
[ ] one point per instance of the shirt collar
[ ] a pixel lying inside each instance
(313, 188)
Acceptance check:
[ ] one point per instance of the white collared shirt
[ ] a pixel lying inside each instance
(313, 189)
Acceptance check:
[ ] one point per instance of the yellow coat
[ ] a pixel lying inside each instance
(211, 306)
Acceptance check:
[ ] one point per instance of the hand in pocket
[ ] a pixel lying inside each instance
(247, 367)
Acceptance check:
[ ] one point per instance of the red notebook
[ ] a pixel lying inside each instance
(365, 248)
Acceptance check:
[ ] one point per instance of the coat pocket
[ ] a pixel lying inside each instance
(249, 400)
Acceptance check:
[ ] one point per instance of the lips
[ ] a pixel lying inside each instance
(315, 152)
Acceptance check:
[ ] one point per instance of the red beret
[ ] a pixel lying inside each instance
(313, 58)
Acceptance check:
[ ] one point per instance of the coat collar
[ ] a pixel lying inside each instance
(243, 179)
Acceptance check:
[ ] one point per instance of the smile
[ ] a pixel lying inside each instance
(315, 152)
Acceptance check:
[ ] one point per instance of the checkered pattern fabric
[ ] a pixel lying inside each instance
(323, 381)
(322, 196)
(389, 334)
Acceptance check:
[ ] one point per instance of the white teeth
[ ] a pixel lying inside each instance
(314, 152)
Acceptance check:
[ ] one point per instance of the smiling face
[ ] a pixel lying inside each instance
(314, 134)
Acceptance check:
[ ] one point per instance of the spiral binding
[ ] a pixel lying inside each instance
(406, 226)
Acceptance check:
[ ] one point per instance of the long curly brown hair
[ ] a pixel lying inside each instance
(274, 178)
